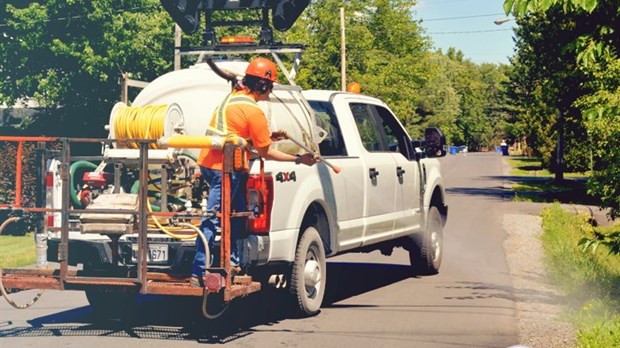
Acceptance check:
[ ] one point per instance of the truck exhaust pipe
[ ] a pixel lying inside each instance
(278, 281)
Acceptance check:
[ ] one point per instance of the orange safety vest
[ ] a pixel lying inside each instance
(219, 126)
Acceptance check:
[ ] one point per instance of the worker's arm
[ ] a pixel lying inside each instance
(270, 153)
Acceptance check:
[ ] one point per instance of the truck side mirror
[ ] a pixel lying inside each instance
(435, 142)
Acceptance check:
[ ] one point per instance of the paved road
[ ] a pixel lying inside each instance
(376, 304)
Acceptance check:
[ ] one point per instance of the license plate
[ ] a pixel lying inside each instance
(158, 253)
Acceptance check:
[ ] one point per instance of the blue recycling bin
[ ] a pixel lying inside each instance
(453, 150)
(505, 150)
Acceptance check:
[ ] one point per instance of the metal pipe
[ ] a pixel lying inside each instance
(274, 280)
(18, 174)
(142, 223)
(63, 247)
(284, 134)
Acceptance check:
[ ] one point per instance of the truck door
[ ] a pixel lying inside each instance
(407, 174)
(344, 193)
(379, 175)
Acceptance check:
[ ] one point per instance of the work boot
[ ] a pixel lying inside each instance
(196, 282)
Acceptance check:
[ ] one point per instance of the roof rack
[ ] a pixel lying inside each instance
(233, 49)
(284, 13)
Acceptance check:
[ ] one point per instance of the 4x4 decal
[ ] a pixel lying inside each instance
(286, 176)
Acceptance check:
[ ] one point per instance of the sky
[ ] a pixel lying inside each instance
(480, 40)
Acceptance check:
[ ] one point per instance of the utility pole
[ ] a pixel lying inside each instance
(559, 172)
(177, 43)
(343, 53)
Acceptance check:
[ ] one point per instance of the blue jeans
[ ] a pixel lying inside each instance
(211, 225)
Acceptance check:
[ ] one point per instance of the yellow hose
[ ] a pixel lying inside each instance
(140, 122)
(201, 141)
(168, 231)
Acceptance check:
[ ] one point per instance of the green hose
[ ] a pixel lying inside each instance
(86, 165)
(74, 167)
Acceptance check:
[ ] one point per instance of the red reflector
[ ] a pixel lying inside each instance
(96, 179)
(49, 179)
(261, 194)
(50, 220)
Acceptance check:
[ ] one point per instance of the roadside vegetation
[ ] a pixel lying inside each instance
(17, 251)
(590, 277)
(534, 183)
(564, 89)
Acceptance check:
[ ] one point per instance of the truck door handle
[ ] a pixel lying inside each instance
(399, 172)
(373, 173)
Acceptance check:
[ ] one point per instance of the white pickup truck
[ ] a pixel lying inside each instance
(389, 192)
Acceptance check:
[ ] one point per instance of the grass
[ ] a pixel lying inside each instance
(590, 280)
(535, 184)
(16, 251)
(531, 167)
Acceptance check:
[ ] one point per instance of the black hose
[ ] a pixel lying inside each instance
(225, 75)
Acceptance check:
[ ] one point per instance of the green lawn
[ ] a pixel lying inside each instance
(590, 280)
(532, 183)
(531, 167)
(17, 251)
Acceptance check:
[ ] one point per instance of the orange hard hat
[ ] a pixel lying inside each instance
(354, 87)
(263, 68)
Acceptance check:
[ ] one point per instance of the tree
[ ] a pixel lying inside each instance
(69, 54)
(385, 50)
(593, 47)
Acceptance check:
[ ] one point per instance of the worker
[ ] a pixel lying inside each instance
(238, 114)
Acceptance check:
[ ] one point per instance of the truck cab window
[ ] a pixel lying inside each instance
(333, 144)
(394, 134)
(369, 132)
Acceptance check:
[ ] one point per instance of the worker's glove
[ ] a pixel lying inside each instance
(278, 135)
(308, 159)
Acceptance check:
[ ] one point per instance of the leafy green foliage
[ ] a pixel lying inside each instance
(567, 63)
(522, 7)
(389, 56)
(69, 54)
(611, 241)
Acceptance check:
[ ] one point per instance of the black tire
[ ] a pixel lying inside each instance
(427, 250)
(309, 274)
(111, 304)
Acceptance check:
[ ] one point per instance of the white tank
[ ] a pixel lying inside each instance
(198, 91)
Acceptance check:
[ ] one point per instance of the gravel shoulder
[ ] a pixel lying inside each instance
(539, 305)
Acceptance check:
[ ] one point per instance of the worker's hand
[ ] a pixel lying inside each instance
(308, 159)
(278, 135)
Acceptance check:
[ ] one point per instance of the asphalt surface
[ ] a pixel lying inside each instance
(375, 301)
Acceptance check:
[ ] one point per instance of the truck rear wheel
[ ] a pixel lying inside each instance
(309, 273)
(426, 252)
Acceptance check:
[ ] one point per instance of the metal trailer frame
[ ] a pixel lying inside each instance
(140, 279)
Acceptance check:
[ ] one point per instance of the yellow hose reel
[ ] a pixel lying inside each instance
(144, 122)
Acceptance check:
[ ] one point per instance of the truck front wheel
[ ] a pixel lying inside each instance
(426, 252)
(309, 273)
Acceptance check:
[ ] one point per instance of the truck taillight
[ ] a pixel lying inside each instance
(49, 197)
(260, 200)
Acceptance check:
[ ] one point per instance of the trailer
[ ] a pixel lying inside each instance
(114, 217)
